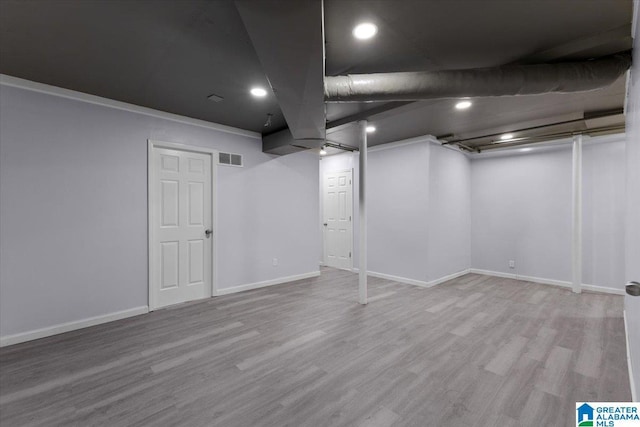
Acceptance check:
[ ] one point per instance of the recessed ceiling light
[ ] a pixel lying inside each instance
(258, 91)
(506, 136)
(371, 129)
(323, 151)
(365, 31)
(524, 150)
(463, 105)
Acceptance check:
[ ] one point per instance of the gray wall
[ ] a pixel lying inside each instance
(449, 235)
(73, 209)
(398, 195)
(632, 304)
(603, 203)
(418, 207)
(521, 210)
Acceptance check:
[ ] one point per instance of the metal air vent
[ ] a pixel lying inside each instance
(230, 159)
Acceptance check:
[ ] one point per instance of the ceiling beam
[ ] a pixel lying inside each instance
(288, 38)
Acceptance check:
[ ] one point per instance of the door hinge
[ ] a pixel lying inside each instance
(349, 254)
(349, 217)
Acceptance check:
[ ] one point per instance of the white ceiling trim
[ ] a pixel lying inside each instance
(403, 142)
(16, 82)
(555, 144)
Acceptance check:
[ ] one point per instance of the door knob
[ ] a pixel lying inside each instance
(208, 232)
(325, 224)
(633, 289)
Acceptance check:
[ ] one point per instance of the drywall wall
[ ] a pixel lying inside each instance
(521, 211)
(632, 252)
(73, 209)
(397, 195)
(603, 202)
(418, 209)
(449, 234)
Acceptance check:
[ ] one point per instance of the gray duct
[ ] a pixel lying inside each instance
(497, 81)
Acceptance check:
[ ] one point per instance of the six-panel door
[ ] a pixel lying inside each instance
(182, 204)
(338, 207)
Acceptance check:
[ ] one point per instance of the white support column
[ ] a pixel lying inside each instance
(576, 219)
(362, 180)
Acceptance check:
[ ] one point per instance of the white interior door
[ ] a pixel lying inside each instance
(181, 224)
(338, 229)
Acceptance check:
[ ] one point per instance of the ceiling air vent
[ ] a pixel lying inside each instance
(230, 159)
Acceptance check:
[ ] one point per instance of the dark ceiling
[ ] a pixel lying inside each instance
(170, 55)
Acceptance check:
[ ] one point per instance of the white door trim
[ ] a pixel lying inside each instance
(324, 234)
(151, 174)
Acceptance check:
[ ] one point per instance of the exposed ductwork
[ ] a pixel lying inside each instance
(496, 81)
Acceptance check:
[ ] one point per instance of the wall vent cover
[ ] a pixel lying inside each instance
(230, 159)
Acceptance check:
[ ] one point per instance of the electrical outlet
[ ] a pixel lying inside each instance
(512, 263)
(274, 262)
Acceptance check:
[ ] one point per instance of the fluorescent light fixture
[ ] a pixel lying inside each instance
(371, 129)
(524, 150)
(323, 151)
(365, 31)
(506, 136)
(463, 105)
(258, 92)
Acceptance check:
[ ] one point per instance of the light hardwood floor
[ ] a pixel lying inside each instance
(475, 351)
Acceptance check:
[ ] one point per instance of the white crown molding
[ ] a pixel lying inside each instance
(16, 82)
(401, 143)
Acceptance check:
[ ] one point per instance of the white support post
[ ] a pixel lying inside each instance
(362, 179)
(576, 220)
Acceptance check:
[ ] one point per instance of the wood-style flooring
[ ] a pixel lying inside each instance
(475, 351)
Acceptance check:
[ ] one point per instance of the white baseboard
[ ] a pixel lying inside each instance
(400, 279)
(634, 393)
(414, 282)
(71, 326)
(493, 273)
(553, 282)
(448, 277)
(264, 284)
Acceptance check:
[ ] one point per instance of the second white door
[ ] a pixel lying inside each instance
(181, 224)
(338, 206)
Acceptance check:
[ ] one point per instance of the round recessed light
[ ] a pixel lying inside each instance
(371, 129)
(506, 136)
(259, 92)
(524, 150)
(323, 151)
(463, 105)
(365, 31)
